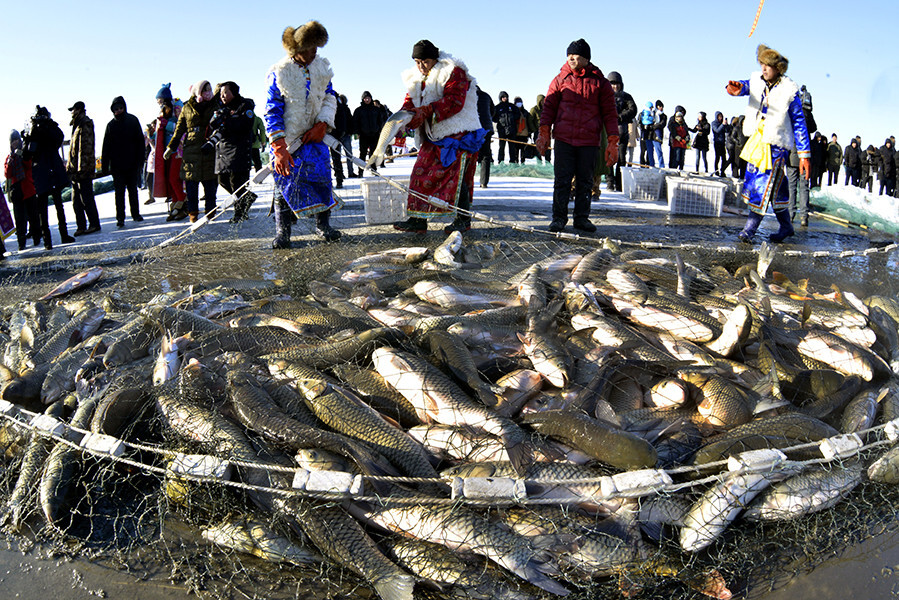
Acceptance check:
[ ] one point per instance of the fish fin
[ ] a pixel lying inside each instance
(652, 530)
(521, 455)
(395, 587)
(535, 572)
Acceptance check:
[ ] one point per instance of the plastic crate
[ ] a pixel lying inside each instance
(383, 202)
(687, 196)
(642, 183)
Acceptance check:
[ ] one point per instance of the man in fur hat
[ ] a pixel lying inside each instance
(300, 106)
(776, 126)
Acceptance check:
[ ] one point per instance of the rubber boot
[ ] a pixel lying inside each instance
(412, 225)
(242, 207)
(323, 226)
(786, 226)
(752, 224)
(282, 225)
(462, 222)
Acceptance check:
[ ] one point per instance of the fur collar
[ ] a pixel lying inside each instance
(302, 107)
(778, 126)
(466, 119)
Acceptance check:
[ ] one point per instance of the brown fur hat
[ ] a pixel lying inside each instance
(772, 58)
(311, 35)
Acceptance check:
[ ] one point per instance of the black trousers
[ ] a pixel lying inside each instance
(367, 144)
(127, 180)
(720, 155)
(623, 139)
(84, 204)
(573, 162)
(232, 181)
(256, 156)
(485, 158)
(193, 195)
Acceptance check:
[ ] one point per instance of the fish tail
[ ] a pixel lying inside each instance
(521, 455)
(395, 587)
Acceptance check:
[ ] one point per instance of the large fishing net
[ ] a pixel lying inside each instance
(504, 414)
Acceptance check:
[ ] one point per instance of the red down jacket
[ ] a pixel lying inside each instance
(578, 105)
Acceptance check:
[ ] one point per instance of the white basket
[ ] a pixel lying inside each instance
(687, 196)
(642, 183)
(383, 202)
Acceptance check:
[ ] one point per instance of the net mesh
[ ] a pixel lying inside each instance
(583, 437)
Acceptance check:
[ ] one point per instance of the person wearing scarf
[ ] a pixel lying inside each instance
(776, 126)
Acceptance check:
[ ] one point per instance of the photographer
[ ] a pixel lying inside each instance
(196, 166)
(232, 141)
(44, 141)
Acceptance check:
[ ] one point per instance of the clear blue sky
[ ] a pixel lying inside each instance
(54, 53)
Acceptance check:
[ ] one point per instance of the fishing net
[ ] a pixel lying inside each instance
(672, 440)
(855, 205)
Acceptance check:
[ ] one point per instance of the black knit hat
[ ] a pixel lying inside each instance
(424, 50)
(579, 47)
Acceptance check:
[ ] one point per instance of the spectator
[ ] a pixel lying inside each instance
(150, 166)
(197, 165)
(367, 123)
(167, 182)
(678, 137)
(485, 154)
(834, 160)
(343, 133)
(776, 125)
(647, 121)
(123, 156)
(701, 141)
(517, 151)
(20, 187)
(819, 159)
(259, 140)
(887, 168)
(720, 133)
(535, 119)
(232, 127)
(44, 141)
(870, 162)
(445, 165)
(633, 139)
(580, 103)
(506, 115)
(384, 115)
(627, 110)
(738, 164)
(730, 147)
(81, 168)
(301, 105)
(852, 161)
(659, 134)
(798, 189)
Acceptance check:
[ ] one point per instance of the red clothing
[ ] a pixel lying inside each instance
(167, 182)
(453, 96)
(679, 130)
(9, 172)
(579, 105)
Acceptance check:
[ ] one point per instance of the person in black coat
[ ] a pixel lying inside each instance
(702, 129)
(43, 142)
(485, 154)
(367, 121)
(232, 139)
(720, 133)
(819, 160)
(887, 168)
(506, 115)
(738, 166)
(627, 112)
(852, 161)
(343, 133)
(123, 158)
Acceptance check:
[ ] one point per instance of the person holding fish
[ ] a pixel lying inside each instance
(300, 107)
(442, 95)
(776, 126)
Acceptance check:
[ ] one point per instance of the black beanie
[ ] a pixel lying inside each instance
(424, 49)
(580, 47)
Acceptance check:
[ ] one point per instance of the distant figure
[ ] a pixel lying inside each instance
(870, 165)
(505, 115)
(123, 157)
(44, 142)
(647, 121)
(232, 126)
(776, 126)
(852, 161)
(678, 138)
(659, 134)
(20, 185)
(819, 159)
(720, 133)
(887, 168)
(367, 121)
(536, 110)
(343, 133)
(738, 164)
(167, 182)
(81, 167)
(834, 160)
(580, 103)
(702, 129)
(627, 110)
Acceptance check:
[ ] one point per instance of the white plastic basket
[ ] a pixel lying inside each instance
(642, 183)
(687, 196)
(383, 202)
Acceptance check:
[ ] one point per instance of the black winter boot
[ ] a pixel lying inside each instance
(786, 226)
(753, 220)
(242, 207)
(412, 225)
(282, 226)
(323, 227)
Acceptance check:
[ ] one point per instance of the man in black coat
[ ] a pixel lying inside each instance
(232, 138)
(43, 141)
(343, 133)
(367, 121)
(887, 168)
(627, 111)
(819, 160)
(852, 161)
(123, 158)
(505, 115)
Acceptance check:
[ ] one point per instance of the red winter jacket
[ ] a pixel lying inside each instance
(578, 105)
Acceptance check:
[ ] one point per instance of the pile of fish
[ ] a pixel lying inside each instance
(428, 371)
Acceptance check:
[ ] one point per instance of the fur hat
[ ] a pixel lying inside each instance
(311, 35)
(772, 58)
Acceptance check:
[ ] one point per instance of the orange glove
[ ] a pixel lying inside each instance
(283, 160)
(316, 134)
(543, 140)
(420, 114)
(612, 151)
(734, 87)
(805, 166)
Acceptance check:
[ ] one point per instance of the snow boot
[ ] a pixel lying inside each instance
(323, 227)
(412, 225)
(282, 226)
(786, 226)
(753, 220)
(242, 207)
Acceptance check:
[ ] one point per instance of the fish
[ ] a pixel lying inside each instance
(395, 123)
(252, 536)
(451, 351)
(445, 253)
(169, 359)
(805, 493)
(76, 282)
(330, 353)
(78, 329)
(453, 296)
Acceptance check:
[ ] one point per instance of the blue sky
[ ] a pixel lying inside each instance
(54, 53)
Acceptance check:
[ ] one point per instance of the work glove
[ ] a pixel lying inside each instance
(734, 87)
(805, 167)
(167, 154)
(315, 134)
(542, 141)
(283, 160)
(612, 151)
(420, 114)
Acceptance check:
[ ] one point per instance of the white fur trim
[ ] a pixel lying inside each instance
(778, 126)
(464, 120)
(300, 112)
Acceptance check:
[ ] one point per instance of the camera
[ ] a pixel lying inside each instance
(210, 143)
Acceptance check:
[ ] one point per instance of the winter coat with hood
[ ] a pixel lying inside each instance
(537, 110)
(702, 130)
(834, 156)
(44, 143)
(123, 143)
(720, 129)
(506, 115)
(852, 156)
(368, 119)
(678, 131)
(624, 105)
(870, 161)
(887, 160)
(82, 157)
(579, 105)
(235, 121)
(193, 124)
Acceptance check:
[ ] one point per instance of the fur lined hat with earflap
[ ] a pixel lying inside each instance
(772, 58)
(311, 35)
